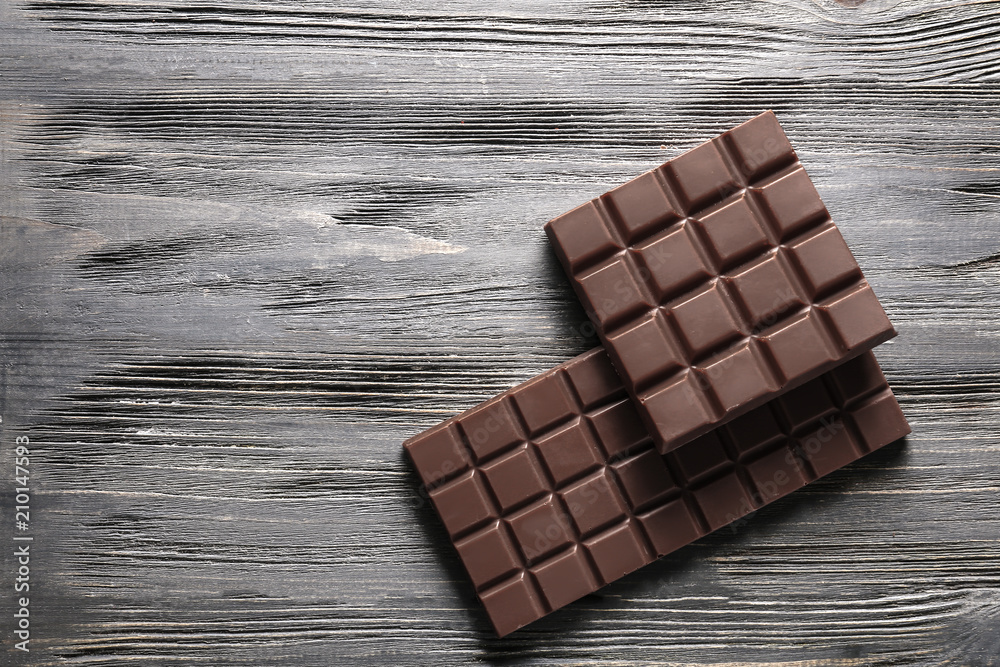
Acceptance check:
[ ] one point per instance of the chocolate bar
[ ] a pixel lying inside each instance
(718, 281)
(554, 488)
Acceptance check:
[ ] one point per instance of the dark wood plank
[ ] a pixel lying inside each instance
(246, 249)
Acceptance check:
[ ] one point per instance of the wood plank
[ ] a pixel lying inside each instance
(247, 248)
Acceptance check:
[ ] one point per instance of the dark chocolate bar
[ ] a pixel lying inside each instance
(554, 488)
(718, 281)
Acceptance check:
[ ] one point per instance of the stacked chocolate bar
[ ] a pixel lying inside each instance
(736, 368)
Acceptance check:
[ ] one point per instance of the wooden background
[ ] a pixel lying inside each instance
(250, 247)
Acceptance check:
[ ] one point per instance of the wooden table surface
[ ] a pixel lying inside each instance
(248, 248)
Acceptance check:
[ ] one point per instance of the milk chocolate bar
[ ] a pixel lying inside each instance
(554, 488)
(718, 281)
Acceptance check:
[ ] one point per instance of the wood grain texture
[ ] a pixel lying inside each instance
(248, 248)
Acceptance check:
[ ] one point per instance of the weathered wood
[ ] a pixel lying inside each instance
(248, 248)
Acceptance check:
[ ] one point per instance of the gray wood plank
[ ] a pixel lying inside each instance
(248, 248)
